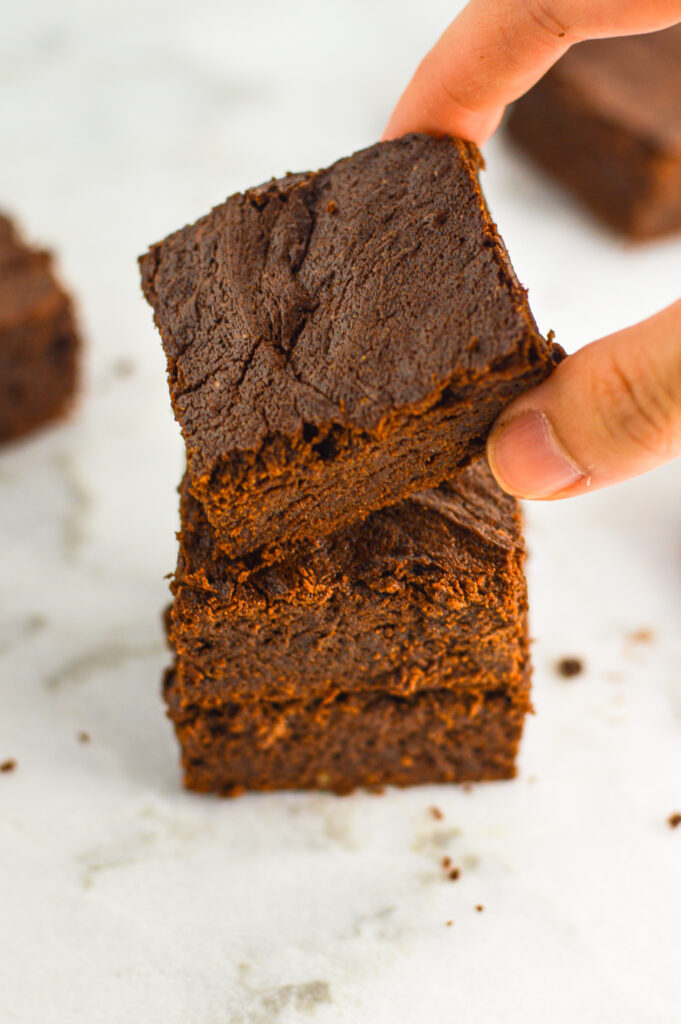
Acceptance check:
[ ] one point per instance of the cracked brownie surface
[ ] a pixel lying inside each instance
(339, 340)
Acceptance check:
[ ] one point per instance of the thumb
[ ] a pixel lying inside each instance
(610, 412)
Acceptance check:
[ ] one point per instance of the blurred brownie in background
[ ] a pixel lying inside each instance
(606, 122)
(38, 340)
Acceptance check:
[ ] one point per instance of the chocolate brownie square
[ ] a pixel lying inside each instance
(38, 340)
(339, 340)
(429, 593)
(346, 740)
(606, 122)
(393, 651)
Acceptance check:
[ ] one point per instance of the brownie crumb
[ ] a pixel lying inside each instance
(332, 206)
(569, 667)
(83, 737)
(446, 863)
(123, 367)
(436, 813)
(479, 907)
(449, 923)
(9, 765)
(377, 790)
(454, 874)
(674, 820)
(641, 636)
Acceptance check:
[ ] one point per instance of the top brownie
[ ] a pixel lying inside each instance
(339, 340)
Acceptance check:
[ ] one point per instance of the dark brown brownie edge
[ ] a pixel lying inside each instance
(349, 741)
(414, 451)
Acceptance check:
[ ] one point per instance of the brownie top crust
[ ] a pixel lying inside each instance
(635, 81)
(338, 297)
(28, 289)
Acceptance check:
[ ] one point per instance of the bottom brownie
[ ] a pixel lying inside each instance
(353, 739)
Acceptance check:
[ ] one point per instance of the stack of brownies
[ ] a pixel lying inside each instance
(349, 601)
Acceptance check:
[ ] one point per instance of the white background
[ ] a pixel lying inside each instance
(123, 898)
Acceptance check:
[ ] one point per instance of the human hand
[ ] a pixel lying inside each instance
(612, 410)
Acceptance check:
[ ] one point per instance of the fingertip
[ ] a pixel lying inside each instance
(527, 459)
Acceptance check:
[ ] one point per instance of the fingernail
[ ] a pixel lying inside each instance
(528, 460)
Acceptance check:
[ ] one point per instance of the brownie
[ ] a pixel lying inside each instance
(38, 340)
(606, 122)
(349, 740)
(392, 651)
(339, 340)
(428, 593)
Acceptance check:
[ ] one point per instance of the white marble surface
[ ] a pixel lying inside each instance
(123, 898)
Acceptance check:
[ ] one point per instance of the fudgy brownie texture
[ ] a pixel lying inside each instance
(38, 340)
(392, 651)
(357, 739)
(426, 594)
(339, 340)
(606, 122)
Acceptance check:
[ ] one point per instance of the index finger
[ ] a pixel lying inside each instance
(495, 50)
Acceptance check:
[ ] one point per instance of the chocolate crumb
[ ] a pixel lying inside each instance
(83, 737)
(436, 813)
(9, 765)
(446, 863)
(641, 636)
(674, 820)
(479, 907)
(454, 874)
(332, 206)
(569, 667)
(123, 367)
